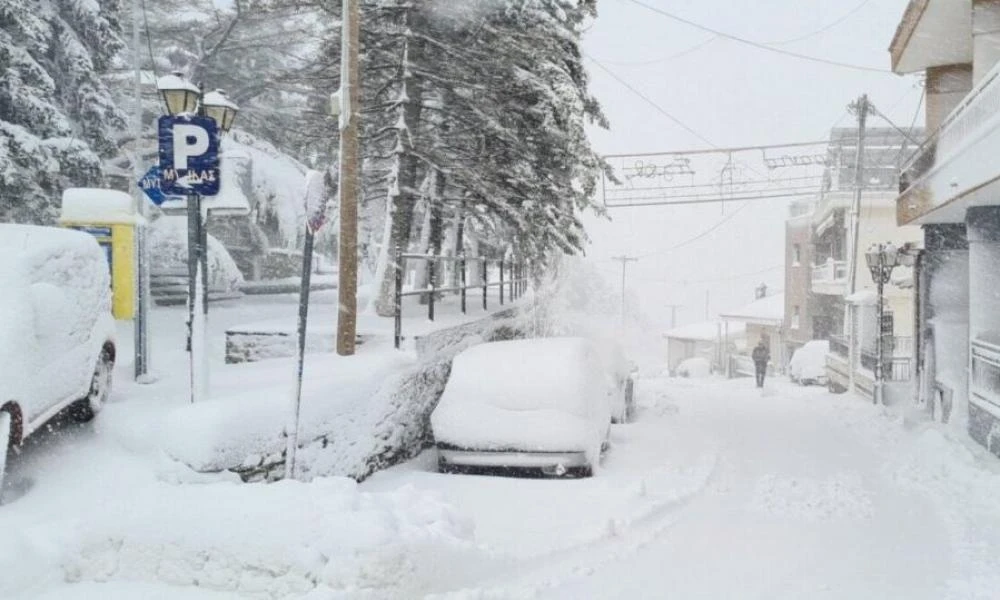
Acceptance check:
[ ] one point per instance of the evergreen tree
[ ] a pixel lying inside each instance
(57, 117)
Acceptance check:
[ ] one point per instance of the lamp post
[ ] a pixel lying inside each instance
(881, 259)
(180, 97)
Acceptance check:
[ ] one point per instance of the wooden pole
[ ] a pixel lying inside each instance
(350, 172)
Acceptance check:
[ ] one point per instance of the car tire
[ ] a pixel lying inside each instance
(86, 408)
(581, 472)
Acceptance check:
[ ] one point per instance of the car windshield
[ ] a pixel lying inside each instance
(453, 299)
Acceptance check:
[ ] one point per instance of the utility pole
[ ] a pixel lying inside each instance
(673, 314)
(861, 107)
(350, 173)
(624, 260)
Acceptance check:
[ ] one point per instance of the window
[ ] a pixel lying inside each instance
(796, 255)
(795, 317)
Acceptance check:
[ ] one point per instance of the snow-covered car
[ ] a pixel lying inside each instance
(624, 372)
(57, 335)
(527, 404)
(808, 364)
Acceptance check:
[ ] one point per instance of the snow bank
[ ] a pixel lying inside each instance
(271, 541)
(239, 431)
(694, 367)
(169, 254)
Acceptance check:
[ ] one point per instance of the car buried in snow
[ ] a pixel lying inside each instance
(531, 405)
(808, 363)
(57, 335)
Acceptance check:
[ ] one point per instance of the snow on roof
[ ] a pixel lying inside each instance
(862, 297)
(765, 311)
(707, 331)
(89, 205)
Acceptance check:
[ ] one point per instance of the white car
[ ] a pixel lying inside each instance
(57, 335)
(808, 364)
(528, 404)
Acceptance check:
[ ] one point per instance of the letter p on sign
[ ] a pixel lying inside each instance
(189, 141)
(189, 150)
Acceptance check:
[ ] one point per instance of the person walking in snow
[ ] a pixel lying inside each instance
(760, 357)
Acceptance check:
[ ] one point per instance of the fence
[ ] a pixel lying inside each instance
(515, 284)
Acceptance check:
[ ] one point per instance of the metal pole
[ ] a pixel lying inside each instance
(879, 367)
(292, 441)
(501, 282)
(461, 265)
(859, 185)
(486, 288)
(431, 275)
(194, 241)
(141, 323)
(398, 296)
(350, 172)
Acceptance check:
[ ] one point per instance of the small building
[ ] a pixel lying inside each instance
(702, 340)
(763, 319)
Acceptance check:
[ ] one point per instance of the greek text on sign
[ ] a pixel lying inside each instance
(189, 155)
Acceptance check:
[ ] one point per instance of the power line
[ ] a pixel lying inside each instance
(649, 101)
(664, 59)
(824, 28)
(758, 45)
(686, 282)
(691, 240)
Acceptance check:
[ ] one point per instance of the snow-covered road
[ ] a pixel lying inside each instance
(716, 491)
(720, 491)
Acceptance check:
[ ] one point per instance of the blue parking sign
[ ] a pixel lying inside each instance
(189, 155)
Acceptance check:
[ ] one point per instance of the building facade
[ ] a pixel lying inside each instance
(825, 263)
(951, 189)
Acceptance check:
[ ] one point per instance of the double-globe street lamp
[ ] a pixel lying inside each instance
(181, 97)
(881, 259)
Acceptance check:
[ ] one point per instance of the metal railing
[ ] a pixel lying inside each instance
(831, 271)
(515, 283)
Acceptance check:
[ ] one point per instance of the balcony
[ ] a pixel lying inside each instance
(830, 277)
(952, 169)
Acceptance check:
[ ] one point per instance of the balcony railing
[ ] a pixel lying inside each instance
(832, 271)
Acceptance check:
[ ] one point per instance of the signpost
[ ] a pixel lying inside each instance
(189, 166)
(316, 205)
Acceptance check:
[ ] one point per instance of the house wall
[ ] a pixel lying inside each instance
(679, 350)
(798, 280)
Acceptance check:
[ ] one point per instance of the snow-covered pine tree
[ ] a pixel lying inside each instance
(57, 117)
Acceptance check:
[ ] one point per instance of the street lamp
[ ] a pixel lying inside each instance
(181, 97)
(881, 259)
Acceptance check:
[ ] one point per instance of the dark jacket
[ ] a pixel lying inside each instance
(760, 354)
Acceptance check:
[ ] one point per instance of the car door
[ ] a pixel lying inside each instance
(60, 349)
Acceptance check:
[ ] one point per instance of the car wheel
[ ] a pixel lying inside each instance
(581, 472)
(86, 408)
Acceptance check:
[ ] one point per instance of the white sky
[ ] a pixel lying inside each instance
(733, 95)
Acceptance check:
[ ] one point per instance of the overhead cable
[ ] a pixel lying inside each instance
(758, 45)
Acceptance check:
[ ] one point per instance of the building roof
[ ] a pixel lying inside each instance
(707, 331)
(769, 310)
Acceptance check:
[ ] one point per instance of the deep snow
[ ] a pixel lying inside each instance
(716, 490)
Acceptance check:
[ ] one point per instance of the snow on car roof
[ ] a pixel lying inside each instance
(556, 373)
(33, 239)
